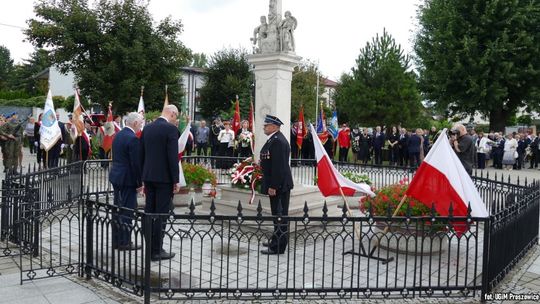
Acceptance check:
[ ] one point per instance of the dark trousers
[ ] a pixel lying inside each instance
(54, 156)
(481, 160)
(245, 152)
(394, 155)
(158, 200)
(31, 144)
(124, 197)
(535, 159)
(40, 155)
(202, 149)
(519, 164)
(215, 149)
(497, 159)
(343, 153)
(378, 156)
(403, 157)
(414, 159)
(279, 205)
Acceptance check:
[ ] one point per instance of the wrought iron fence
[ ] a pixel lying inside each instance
(65, 221)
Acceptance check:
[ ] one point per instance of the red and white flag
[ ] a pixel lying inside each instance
(442, 180)
(109, 131)
(140, 110)
(329, 180)
(236, 119)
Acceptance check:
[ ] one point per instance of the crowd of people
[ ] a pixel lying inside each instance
(401, 147)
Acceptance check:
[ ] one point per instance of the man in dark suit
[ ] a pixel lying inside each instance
(378, 144)
(159, 158)
(277, 181)
(403, 148)
(125, 176)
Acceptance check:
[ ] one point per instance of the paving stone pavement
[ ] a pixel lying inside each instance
(524, 278)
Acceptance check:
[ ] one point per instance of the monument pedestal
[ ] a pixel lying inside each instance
(273, 76)
(227, 204)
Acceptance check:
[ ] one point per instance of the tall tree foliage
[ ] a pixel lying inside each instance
(112, 48)
(304, 90)
(480, 56)
(227, 75)
(199, 60)
(6, 65)
(381, 89)
(23, 76)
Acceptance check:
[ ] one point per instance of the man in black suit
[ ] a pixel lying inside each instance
(277, 181)
(403, 148)
(159, 158)
(125, 176)
(378, 144)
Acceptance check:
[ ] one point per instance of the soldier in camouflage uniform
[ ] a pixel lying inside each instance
(13, 130)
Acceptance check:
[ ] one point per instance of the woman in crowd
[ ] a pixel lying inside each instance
(245, 138)
(355, 143)
(483, 148)
(366, 144)
(510, 152)
(226, 143)
(393, 146)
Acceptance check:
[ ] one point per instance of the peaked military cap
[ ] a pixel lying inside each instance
(269, 119)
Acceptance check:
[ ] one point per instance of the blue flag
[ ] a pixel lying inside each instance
(321, 121)
(334, 127)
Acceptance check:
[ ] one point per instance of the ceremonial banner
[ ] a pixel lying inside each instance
(49, 131)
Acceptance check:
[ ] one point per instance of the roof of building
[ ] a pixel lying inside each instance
(194, 70)
(329, 83)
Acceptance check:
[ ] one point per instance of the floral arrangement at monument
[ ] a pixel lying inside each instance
(247, 174)
(388, 198)
(354, 177)
(196, 175)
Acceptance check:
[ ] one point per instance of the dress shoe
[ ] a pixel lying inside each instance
(129, 247)
(164, 255)
(270, 252)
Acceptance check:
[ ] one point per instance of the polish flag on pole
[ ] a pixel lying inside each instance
(329, 180)
(442, 180)
(140, 110)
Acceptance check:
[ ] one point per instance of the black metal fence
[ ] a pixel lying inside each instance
(70, 220)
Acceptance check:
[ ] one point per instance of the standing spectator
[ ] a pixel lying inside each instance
(277, 182)
(498, 151)
(378, 145)
(29, 134)
(308, 148)
(160, 173)
(483, 148)
(217, 126)
(125, 176)
(294, 147)
(366, 144)
(522, 145)
(40, 153)
(355, 143)
(344, 142)
(535, 151)
(463, 145)
(426, 145)
(245, 138)
(414, 145)
(403, 148)
(202, 137)
(226, 144)
(393, 145)
(510, 152)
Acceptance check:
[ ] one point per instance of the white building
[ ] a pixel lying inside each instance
(60, 84)
(192, 81)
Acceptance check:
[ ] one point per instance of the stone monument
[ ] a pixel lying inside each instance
(274, 60)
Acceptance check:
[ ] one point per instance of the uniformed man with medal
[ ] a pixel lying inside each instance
(277, 181)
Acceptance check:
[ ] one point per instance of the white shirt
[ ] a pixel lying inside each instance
(225, 136)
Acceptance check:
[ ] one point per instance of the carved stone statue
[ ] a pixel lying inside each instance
(275, 35)
(287, 27)
(260, 34)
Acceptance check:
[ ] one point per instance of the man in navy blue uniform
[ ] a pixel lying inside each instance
(125, 176)
(277, 181)
(159, 158)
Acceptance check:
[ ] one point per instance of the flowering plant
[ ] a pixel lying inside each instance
(389, 197)
(196, 175)
(247, 173)
(354, 177)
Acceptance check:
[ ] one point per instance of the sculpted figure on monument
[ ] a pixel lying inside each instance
(260, 34)
(287, 27)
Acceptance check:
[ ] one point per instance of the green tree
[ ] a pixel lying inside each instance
(6, 65)
(199, 60)
(112, 48)
(23, 76)
(227, 75)
(381, 89)
(480, 56)
(304, 90)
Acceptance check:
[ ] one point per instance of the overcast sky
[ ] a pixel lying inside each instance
(329, 32)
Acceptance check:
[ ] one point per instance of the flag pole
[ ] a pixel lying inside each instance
(385, 231)
(349, 213)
